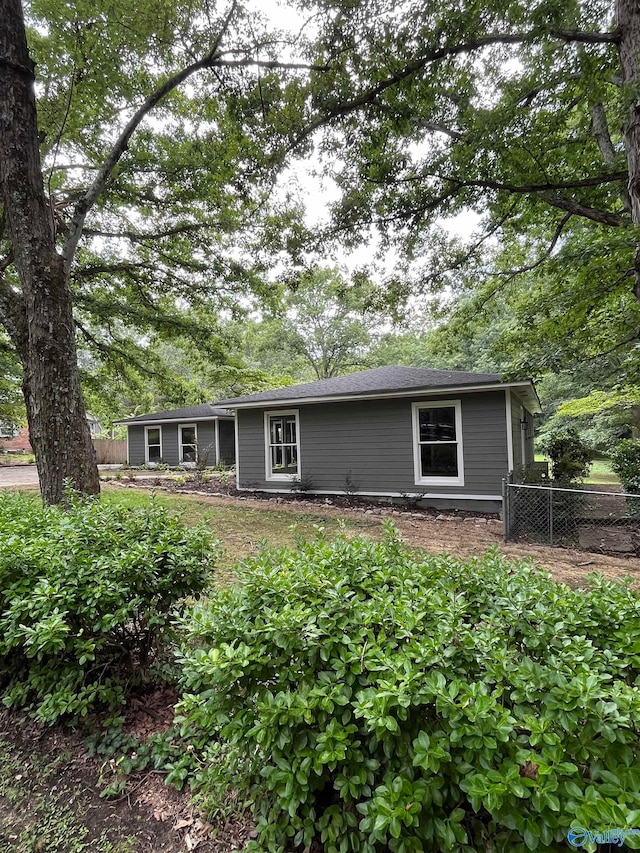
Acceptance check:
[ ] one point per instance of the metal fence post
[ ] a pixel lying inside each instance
(505, 510)
(550, 516)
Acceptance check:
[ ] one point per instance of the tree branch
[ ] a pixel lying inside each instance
(6, 262)
(580, 183)
(211, 60)
(511, 274)
(440, 128)
(89, 272)
(544, 189)
(577, 209)
(436, 54)
(600, 130)
(616, 347)
(138, 237)
(611, 37)
(252, 62)
(479, 303)
(113, 350)
(526, 98)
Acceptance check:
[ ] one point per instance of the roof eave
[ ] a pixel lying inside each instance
(375, 395)
(151, 422)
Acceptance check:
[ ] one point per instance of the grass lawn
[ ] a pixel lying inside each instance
(11, 459)
(600, 473)
(241, 529)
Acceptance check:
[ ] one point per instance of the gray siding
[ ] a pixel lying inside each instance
(170, 444)
(135, 440)
(529, 450)
(206, 439)
(227, 442)
(371, 441)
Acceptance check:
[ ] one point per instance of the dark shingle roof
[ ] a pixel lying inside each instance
(380, 380)
(206, 410)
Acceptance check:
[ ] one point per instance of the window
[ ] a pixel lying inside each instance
(281, 445)
(437, 443)
(153, 443)
(188, 438)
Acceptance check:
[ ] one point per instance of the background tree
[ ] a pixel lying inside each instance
(12, 412)
(324, 323)
(328, 322)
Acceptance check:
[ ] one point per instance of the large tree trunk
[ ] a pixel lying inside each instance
(628, 23)
(55, 409)
(58, 426)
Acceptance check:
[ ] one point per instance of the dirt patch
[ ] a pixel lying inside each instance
(50, 800)
(459, 534)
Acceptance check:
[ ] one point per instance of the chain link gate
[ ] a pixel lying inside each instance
(605, 522)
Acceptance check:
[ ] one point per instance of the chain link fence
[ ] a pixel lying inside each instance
(605, 522)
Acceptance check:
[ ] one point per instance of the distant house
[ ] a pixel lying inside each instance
(94, 425)
(446, 438)
(182, 436)
(16, 439)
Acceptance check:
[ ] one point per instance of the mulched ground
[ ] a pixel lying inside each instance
(54, 767)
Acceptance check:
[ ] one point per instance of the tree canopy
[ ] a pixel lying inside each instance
(134, 202)
(525, 114)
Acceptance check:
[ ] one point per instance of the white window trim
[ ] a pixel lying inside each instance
(437, 481)
(181, 445)
(507, 395)
(146, 442)
(268, 474)
(236, 430)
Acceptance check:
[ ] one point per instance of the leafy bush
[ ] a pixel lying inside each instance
(86, 599)
(570, 456)
(625, 462)
(375, 700)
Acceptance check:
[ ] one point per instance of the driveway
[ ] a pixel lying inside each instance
(18, 475)
(12, 476)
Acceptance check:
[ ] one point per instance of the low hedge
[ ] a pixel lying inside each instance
(87, 596)
(369, 699)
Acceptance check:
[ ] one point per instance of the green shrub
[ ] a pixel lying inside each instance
(570, 456)
(86, 599)
(374, 700)
(625, 462)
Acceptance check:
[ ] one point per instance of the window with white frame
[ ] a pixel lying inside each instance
(437, 443)
(188, 440)
(281, 445)
(153, 443)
